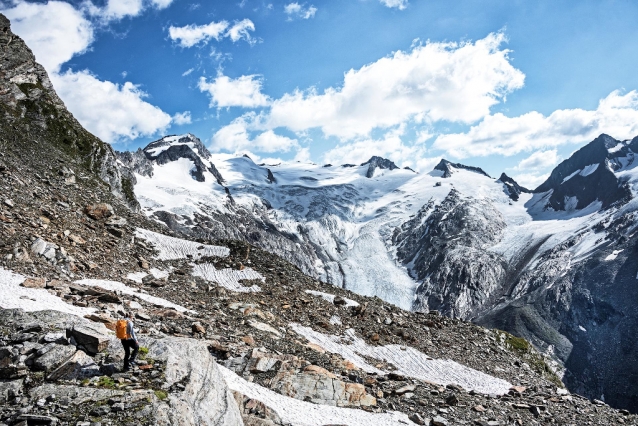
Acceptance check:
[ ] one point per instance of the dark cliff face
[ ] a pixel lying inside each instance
(511, 187)
(448, 168)
(588, 176)
(32, 113)
(375, 163)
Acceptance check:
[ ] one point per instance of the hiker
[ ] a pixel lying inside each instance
(126, 333)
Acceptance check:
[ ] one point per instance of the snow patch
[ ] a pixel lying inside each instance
(300, 413)
(13, 296)
(171, 248)
(123, 288)
(409, 362)
(589, 169)
(331, 298)
(570, 176)
(229, 278)
(614, 254)
(581, 328)
(137, 277)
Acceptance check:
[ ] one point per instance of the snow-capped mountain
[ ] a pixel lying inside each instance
(453, 240)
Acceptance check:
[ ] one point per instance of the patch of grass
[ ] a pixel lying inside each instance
(161, 395)
(106, 382)
(143, 352)
(517, 343)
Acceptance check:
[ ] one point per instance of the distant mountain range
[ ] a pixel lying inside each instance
(554, 264)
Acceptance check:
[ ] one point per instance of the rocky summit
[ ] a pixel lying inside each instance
(253, 306)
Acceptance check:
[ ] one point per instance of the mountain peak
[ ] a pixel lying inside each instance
(376, 162)
(511, 187)
(448, 167)
(154, 149)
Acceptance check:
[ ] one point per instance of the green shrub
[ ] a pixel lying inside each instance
(161, 394)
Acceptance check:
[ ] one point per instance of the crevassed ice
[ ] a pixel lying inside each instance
(118, 286)
(229, 278)
(14, 296)
(409, 362)
(300, 413)
(170, 248)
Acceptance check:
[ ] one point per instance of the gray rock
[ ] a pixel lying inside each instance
(94, 341)
(79, 366)
(53, 358)
(10, 389)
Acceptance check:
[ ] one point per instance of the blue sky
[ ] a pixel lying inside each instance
(511, 86)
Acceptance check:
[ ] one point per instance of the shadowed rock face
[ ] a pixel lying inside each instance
(511, 187)
(588, 176)
(33, 112)
(448, 168)
(378, 163)
(446, 253)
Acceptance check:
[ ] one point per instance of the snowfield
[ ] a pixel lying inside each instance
(14, 296)
(123, 288)
(300, 413)
(171, 248)
(409, 362)
(331, 298)
(229, 278)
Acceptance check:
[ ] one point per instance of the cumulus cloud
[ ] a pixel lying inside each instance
(539, 160)
(244, 91)
(617, 115)
(240, 30)
(236, 137)
(530, 180)
(457, 82)
(296, 10)
(399, 4)
(182, 118)
(191, 35)
(112, 111)
(55, 31)
(114, 10)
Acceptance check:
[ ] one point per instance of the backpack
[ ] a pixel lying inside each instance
(121, 329)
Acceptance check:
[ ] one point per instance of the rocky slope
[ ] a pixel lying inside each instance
(231, 334)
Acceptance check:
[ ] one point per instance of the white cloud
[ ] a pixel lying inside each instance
(111, 111)
(181, 118)
(539, 160)
(235, 137)
(616, 115)
(115, 10)
(190, 35)
(187, 72)
(244, 91)
(433, 82)
(241, 30)
(296, 10)
(399, 4)
(55, 31)
(390, 146)
(530, 180)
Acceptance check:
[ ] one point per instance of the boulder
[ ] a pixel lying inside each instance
(205, 399)
(79, 366)
(92, 340)
(53, 358)
(319, 386)
(10, 389)
(34, 283)
(99, 211)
